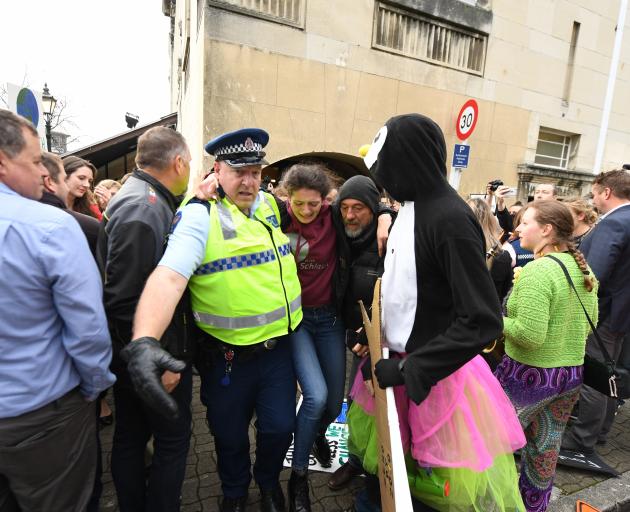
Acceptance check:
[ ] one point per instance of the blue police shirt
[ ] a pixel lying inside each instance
(53, 333)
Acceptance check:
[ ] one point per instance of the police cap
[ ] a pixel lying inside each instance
(240, 148)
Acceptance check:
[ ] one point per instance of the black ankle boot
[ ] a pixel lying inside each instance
(272, 501)
(321, 451)
(233, 504)
(299, 500)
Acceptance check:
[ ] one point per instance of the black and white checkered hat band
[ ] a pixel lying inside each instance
(250, 147)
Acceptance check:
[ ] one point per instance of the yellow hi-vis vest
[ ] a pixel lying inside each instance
(246, 290)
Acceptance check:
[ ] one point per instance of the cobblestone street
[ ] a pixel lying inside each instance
(202, 487)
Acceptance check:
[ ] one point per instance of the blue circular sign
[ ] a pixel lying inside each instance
(27, 106)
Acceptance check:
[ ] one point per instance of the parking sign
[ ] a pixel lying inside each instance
(460, 156)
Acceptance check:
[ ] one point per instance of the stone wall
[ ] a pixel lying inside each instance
(324, 87)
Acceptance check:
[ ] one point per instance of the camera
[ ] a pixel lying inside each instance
(495, 184)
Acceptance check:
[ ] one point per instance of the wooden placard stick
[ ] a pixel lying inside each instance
(392, 473)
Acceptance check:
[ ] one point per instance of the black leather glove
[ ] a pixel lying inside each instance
(146, 362)
(388, 373)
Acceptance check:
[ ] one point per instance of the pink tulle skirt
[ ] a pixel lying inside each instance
(466, 421)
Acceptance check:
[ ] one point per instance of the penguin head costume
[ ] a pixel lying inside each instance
(439, 305)
(408, 158)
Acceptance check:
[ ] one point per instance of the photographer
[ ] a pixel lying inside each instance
(497, 189)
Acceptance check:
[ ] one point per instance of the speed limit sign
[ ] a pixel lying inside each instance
(467, 119)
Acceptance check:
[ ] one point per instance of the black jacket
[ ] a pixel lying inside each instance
(89, 225)
(358, 268)
(131, 243)
(458, 312)
(505, 220)
(502, 274)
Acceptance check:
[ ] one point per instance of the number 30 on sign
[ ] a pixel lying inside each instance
(467, 119)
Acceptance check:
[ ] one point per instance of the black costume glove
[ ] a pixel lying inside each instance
(353, 337)
(146, 362)
(388, 373)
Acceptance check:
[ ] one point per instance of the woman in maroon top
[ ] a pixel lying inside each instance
(319, 353)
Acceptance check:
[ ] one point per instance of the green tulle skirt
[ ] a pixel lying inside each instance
(495, 489)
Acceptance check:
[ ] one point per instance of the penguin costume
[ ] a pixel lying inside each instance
(439, 310)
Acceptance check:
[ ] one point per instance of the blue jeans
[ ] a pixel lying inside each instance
(319, 358)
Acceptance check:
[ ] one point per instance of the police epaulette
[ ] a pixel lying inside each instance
(200, 201)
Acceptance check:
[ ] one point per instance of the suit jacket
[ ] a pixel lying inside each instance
(607, 250)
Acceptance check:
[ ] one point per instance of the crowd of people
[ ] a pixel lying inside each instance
(486, 312)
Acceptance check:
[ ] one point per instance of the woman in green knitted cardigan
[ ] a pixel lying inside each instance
(545, 338)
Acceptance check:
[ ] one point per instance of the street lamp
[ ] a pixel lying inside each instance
(48, 102)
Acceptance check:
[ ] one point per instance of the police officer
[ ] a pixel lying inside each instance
(245, 296)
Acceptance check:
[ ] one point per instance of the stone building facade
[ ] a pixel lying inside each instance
(324, 75)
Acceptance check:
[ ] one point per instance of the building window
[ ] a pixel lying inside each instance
(420, 37)
(288, 12)
(555, 149)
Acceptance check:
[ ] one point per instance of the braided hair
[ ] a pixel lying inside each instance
(559, 217)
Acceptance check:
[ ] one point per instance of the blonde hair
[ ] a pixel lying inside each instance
(580, 206)
(488, 222)
(109, 184)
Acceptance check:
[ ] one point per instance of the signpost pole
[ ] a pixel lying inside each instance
(464, 126)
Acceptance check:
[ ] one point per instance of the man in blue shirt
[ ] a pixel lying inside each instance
(54, 345)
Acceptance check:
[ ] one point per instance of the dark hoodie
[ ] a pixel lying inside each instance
(457, 312)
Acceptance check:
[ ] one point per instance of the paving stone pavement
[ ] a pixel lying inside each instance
(202, 487)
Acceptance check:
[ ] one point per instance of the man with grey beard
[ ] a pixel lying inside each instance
(360, 265)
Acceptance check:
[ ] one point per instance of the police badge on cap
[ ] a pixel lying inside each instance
(240, 148)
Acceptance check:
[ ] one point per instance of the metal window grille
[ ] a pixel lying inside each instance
(439, 42)
(289, 12)
(553, 149)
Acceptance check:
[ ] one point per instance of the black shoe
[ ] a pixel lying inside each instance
(233, 504)
(321, 451)
(570, 446)
(272, 501)
(299, 500)
(343, 476)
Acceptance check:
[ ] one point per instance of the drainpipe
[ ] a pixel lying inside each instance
(610, 90)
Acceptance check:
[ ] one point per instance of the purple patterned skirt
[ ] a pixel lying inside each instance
(543, 399)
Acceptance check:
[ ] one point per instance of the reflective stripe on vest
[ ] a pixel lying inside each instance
(225, 322)
(227, 224)
(272, 219)
(245, 260)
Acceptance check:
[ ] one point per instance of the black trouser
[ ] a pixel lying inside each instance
(93, 505)
(261, 382)
(48, 457)
(596, 410)
(160, 490)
